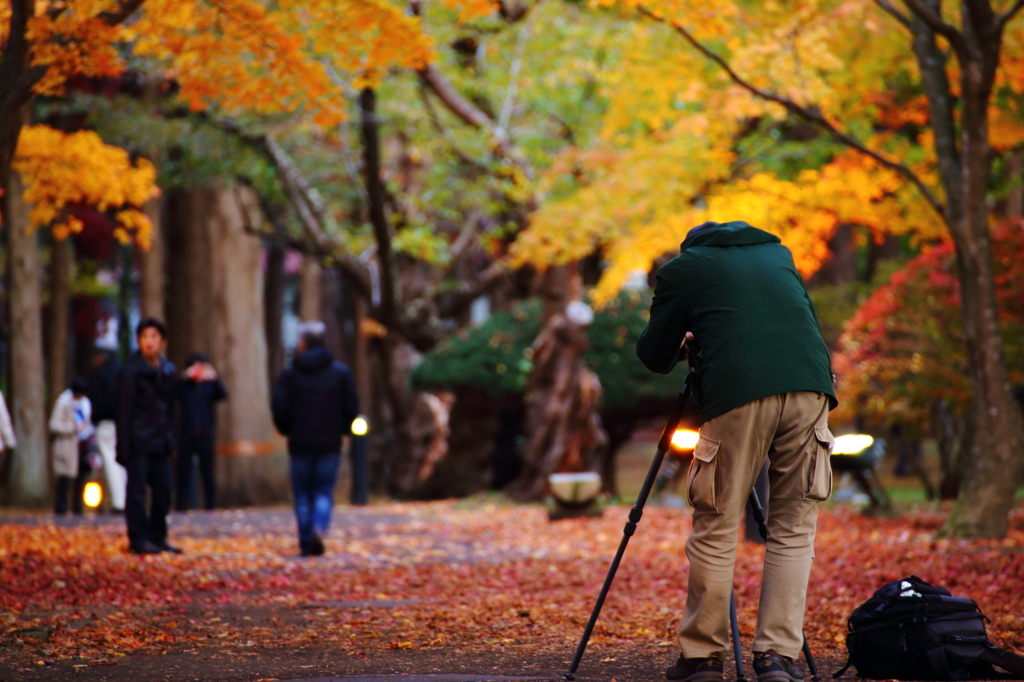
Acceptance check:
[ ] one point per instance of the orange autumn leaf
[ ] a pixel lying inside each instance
(60, 170)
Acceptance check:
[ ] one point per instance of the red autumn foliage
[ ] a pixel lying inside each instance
(904, 348)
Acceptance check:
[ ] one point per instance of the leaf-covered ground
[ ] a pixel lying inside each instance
(429, 584)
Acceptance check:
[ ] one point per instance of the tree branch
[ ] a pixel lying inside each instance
(467, 111)
(517, 64)
(280, 235)
(1005, 17)
(124, 10)
(443, 132)
(308, 205)
(453, 303)
(375, 194)
(895, 13)
(935, 23)
(308, 196)
(806, 114)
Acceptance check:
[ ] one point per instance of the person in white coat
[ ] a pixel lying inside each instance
(7, 440)
(102, 392)
(70, 426)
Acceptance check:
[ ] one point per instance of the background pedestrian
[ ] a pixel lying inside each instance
(7, 439)
(71, 427)
(145, 425)
(102, 392)
(314, 403)
(198, 393)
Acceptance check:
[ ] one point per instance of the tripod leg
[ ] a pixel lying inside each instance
(737, 651)
(634, 517)
(809, 657)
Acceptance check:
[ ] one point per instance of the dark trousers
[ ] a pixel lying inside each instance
(76, 486)
(152, 471)
(190, 448)
(313, 479)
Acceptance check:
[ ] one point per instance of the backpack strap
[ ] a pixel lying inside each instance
(1006, 660)
(837, 674)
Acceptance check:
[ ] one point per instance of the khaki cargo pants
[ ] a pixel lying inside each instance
(791, 430)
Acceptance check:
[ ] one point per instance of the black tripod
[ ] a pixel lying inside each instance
(634, 517)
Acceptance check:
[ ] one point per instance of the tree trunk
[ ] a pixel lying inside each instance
(394, 465)
(216, 307)
(29, 478)
(465, 467)
(994, 464)
(843, 266)
(360, 349)
(309, 291)
(189, 269)
(563, 427)
(14, 61)
(59, 321)
(336, 314)
(151, 264)
(247, 474)
(273, 309)
(393, 468)
(951, 435)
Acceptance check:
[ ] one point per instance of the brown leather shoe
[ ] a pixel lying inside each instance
(771, 666)
(697, 669)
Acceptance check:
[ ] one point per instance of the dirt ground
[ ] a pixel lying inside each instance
(609, 664)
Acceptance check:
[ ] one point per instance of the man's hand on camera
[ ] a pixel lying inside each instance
(683, 349)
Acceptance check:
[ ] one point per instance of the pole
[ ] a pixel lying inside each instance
(360, 471)
(634, 517)
(741, 675)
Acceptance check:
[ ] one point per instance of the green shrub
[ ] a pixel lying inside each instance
(496, 357)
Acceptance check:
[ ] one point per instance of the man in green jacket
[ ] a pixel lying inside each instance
(763, 385)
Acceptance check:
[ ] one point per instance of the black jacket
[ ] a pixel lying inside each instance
(314, 403)
(197, 399)
(145, 408)
(102, 391)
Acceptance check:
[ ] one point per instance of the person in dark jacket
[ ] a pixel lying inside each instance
(198, 392)
(763, 386)
(314, 403)
(102, 391)
(145, 438)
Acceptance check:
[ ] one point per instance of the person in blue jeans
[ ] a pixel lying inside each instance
(313, 404)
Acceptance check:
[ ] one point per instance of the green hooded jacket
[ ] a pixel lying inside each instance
(755, 330)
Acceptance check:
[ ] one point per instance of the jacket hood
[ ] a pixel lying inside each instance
(313, 360)
(735, 233)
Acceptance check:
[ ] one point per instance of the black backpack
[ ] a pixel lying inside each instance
(910, 630)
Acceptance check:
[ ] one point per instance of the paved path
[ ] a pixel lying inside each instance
(420, 678)
(361, 538)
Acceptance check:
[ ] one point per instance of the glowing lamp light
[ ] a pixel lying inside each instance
(852, 444)
(360, 427)
(684, 439)
(92, 495)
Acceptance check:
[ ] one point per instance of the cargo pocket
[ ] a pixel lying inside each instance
(819, 480)
(701, 481)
